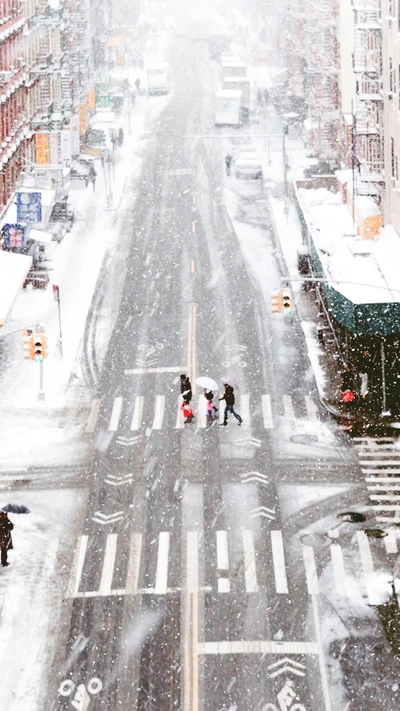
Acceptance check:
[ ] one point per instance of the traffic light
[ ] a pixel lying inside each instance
(286, 301)
(40, 347)
(28, 344)
(276, 301)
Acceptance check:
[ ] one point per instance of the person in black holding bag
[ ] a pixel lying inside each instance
(186, 388)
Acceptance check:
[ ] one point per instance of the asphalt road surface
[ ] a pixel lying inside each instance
(194, 584)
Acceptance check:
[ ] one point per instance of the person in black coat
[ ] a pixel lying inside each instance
(186, 388)
(229, 397)
(5, 537)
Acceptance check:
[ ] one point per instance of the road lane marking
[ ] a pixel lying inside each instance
(278, 556)
(161, 369)
(250, 574)
(366, 564)
(244, 411)
(192, 324)
(257, 647)
(193, 226)
(159, 412)
(115, 414)
(311, 570)
(137, 413)
(187, 671)
(180, 420)
(321, 658)
(195, 653)
(338, 568)
(288, 406)
(108, 564)
(135, 553)
(192, 266)
(382, 479)
(93, 415)
(194, 198)
(390, 543)
(221, 411)
(311, 407)
(223, 561)
(162, 564)
(192, 562)
(267, 412)
(77, 567)
(202, 411)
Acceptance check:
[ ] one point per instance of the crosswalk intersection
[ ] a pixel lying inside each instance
(379, 459)
(227, 565)
(162, 412)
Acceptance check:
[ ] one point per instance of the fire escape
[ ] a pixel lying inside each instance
(322, 70)
(367, 64)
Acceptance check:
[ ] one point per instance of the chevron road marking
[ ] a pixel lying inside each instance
(93, 415)
(104, 519)
(254, 476)
(248, 441)
(115, 414)
(267, 412)
(137, 413)
(263, 511)
(128, 441)
(278, 556)
(286, 665)
(119, 480)
(159, 412)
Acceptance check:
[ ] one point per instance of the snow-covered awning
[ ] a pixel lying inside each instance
(14, 269)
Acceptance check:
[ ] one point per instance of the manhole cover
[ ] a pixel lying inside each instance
(375, 533)
(316, 540)
(304, 438)
(352, 517)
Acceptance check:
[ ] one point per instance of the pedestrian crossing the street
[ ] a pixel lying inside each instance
(160, 412)
(259, 565)
(379, 459)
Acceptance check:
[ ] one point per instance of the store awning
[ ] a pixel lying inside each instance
(14, 269)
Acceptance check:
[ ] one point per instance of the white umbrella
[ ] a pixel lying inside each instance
(207, 383)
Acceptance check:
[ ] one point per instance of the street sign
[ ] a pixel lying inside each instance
(29, 207)
(103, 101)
(14, 236)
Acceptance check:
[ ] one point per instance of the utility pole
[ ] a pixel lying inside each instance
(353, 158)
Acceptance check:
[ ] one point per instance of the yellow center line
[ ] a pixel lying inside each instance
(195, 640)
(192, 316)
(186, 703)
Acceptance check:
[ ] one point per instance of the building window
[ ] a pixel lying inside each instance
(392, 156)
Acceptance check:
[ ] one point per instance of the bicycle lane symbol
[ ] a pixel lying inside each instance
(82, 695)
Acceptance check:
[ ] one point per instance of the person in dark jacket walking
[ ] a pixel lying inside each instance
(229, 397)
(228, 162)
(186, 388)
(5, 537)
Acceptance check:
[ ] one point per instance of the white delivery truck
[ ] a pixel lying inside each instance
(243, 84)
(228, 107)
(233, 68)
(157, 79)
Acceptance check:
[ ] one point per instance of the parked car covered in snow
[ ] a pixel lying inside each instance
(247, 165)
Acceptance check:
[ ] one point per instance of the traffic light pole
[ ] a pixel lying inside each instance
(41, 395)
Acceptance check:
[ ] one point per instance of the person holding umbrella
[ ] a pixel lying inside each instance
(5, 537)
(229, 397)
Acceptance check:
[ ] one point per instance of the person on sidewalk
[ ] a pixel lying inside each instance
(229, 397)
(93, 177)
(211, 408)
(228, 163)
(5, 537)
(186, 388)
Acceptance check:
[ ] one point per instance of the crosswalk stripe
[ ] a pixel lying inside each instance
(366, 563)
(375, 462)
(288, 406)
(115, 414)
(244, 411)
(378, 474)
(202, 411)
(77, 567)
(222, 561)
(338, 567)
(159, 412)
(384, 507)
(311, 570)
(267, 411)
(180, 420)
(192, 562)
(137, 413)
(221, 411)
(311, 407)
(278, 557)
(134, 564)
(390, 543)
(162, 564)
(93, 415)
(384, 497)
(389, 454)
(108, 564)
(250, 573)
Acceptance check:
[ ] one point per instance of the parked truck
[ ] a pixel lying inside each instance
(157, 79)
(242, 84)
(233, 68)
(228, 107)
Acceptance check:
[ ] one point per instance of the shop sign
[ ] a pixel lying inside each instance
(29, 207)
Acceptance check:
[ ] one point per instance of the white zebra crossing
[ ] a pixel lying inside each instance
(160, 414)
(380, 463)
(277, 574)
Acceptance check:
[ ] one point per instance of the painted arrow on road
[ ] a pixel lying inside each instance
(249, 441)
(110, 518)
(286, 665)
(263, 511)
(128, 441)
(254, 476)
(118, 480)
